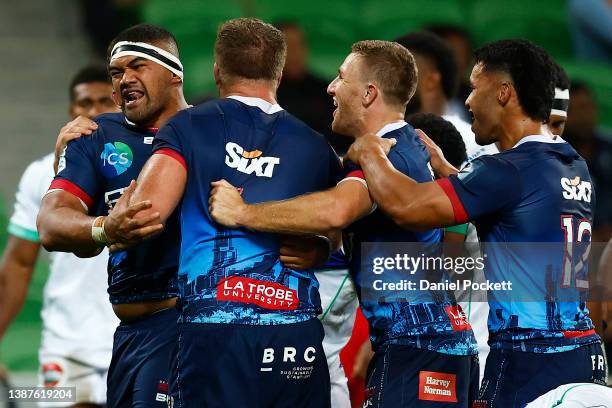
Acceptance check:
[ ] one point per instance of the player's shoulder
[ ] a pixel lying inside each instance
(409, 144)
(111, 119)
(39, 167)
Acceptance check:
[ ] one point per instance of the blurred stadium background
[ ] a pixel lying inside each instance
(43, 43)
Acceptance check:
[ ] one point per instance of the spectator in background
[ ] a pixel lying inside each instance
(591, 29)
(595, 146)
(460, 43)
(304, 94)
(437, 85)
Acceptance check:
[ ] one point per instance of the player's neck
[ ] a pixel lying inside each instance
(175, 105)
(374, 122)
(514, 130)
(251, 89)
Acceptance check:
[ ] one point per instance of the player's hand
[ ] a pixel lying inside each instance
(304, 252)
(362, 360)
(369, 143)
(72, 130)
(439, 164)
(225, 204)
(125, 225)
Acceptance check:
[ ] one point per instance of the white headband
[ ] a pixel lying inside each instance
(150, 52)
(561, 102)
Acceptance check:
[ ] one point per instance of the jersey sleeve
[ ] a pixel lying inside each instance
(78, 174)
(168, 141)
(27, 204)
(484, 186)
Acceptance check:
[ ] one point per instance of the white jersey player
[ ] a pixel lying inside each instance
(339, 303)
(578, 395)
(78, 321)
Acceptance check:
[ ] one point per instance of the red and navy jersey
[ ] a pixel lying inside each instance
(97, 169)
(425, 319)
(533, 208)
(234, 275)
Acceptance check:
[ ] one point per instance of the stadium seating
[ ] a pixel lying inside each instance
(545, 22)
(599, 79)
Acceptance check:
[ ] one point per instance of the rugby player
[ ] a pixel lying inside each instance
(417, 359)
(93, 173)
(522, 194)
(249, 333)
(77, 333)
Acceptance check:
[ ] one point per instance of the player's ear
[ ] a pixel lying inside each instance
(116, 98)
(370, 94)
(504, 94)
(217, 74)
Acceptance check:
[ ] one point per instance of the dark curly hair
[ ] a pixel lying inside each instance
(433, 47)
(530, 68)
(561, 79)
(89, 74)
(443, 133)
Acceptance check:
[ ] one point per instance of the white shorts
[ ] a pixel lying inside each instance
(339, 302)
(63, 371)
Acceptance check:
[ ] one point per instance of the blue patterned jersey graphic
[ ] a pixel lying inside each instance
(431, 320)
(532, 207)
(98, 169)
(234, 275)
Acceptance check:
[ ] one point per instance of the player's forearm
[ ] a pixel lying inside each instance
(316, 213)
(15, 278)
(65, 229)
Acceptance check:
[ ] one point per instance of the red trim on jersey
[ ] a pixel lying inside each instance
(572, 334)
(356, 173)
(174, 154)
(63, 184)
(459, 212)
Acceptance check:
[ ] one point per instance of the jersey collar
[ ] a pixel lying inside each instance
(540, 139)
(390, 127)
(265, 106)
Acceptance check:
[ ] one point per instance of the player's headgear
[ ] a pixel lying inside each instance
(561, 102)
(150, 52)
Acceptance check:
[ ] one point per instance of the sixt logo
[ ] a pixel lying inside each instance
(249, 162)
(576, 190)
(116, 158)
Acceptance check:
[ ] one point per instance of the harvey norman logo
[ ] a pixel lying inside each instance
(575, 189)
(249, 162)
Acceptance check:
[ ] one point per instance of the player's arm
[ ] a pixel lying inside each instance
(16, 269)
(410, 204)
(315, 213)
(63, 224)
(161, 182)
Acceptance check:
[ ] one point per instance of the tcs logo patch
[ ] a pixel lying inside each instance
(575, 189)
(249, 162)
(116, 158)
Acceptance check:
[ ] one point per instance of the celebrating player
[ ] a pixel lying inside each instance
(94, 172)
(249, 333)
(373, 86)
(537, 190)
(77, 332)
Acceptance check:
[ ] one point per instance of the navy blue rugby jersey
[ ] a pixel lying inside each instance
(97, 169)
(423, 319)
(533, 209)
(234, 275)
